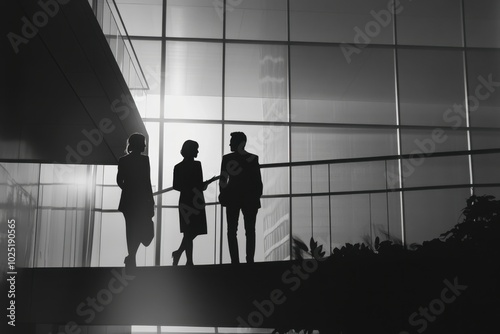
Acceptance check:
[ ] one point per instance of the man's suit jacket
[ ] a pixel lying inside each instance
(135, 181)
(240, 180)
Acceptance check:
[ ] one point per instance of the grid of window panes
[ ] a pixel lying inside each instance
(322, 80)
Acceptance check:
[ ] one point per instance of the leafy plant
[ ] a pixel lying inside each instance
(300, 248)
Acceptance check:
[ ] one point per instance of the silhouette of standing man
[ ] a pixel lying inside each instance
(240, 189)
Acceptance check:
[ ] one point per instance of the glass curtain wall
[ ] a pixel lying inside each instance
(369, 88)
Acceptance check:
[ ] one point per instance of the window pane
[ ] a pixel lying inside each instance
(111, 197)
(193, 80)
(485, 139)
(327, 87)
(301, 219)
(256, 82)
(321, 217)
(345, 21)
(430, 83)
(482, 23)
(256, 19)
(149, 55)
(153, 151)
(194, 18)
(361, 218)
(485, 167)
(430, 22)
(483, 67)
(301, 180)
(275, 180)
(435, 171)
(275, 213)
(359, 176)
(141, 18)
(270, 143)
(430, 213)
(428, 141)
(321, 143)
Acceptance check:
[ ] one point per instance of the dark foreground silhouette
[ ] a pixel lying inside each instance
(188, 180)
(447, 285)
(240, 190)
(136, 201)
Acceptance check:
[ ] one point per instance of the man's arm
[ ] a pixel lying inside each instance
(258, 177)
(223, 174)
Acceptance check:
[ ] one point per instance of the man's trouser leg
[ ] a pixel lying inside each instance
(250, 216)
(232, 215)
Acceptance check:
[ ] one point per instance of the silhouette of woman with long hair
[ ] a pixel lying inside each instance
(136, 201)
(188, 180)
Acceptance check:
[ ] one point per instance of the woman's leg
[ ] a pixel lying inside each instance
(133, 240)
(176, 255)
(188, 241)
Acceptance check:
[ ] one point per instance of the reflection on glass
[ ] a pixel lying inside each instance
(149, 55)
(63, 223)
(194, 18)
(275, 215)
(193, 80)
(256, 82)
(141, 18)
(256, 19)
(326, 87)
(19, 193)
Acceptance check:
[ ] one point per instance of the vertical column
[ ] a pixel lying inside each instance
(398, 125)
(159, 201)
(466, 104)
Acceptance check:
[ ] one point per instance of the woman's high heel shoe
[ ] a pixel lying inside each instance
(176, 255)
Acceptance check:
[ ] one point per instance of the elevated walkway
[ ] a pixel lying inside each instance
(362, 293)
(247, 295)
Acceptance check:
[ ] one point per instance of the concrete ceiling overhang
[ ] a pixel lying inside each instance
(64, 98)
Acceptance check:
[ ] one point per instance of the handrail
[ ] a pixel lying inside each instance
(122, 35)
(381, 158)
(131, 46)
(369, 159)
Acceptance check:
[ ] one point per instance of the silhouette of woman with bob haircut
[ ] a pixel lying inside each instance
(188, 180)
(136, 201)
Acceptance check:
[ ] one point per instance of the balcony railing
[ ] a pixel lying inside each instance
(358, 199)
(407, 197)
(110, 20)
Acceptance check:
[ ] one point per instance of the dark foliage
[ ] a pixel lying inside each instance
(378, 288)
